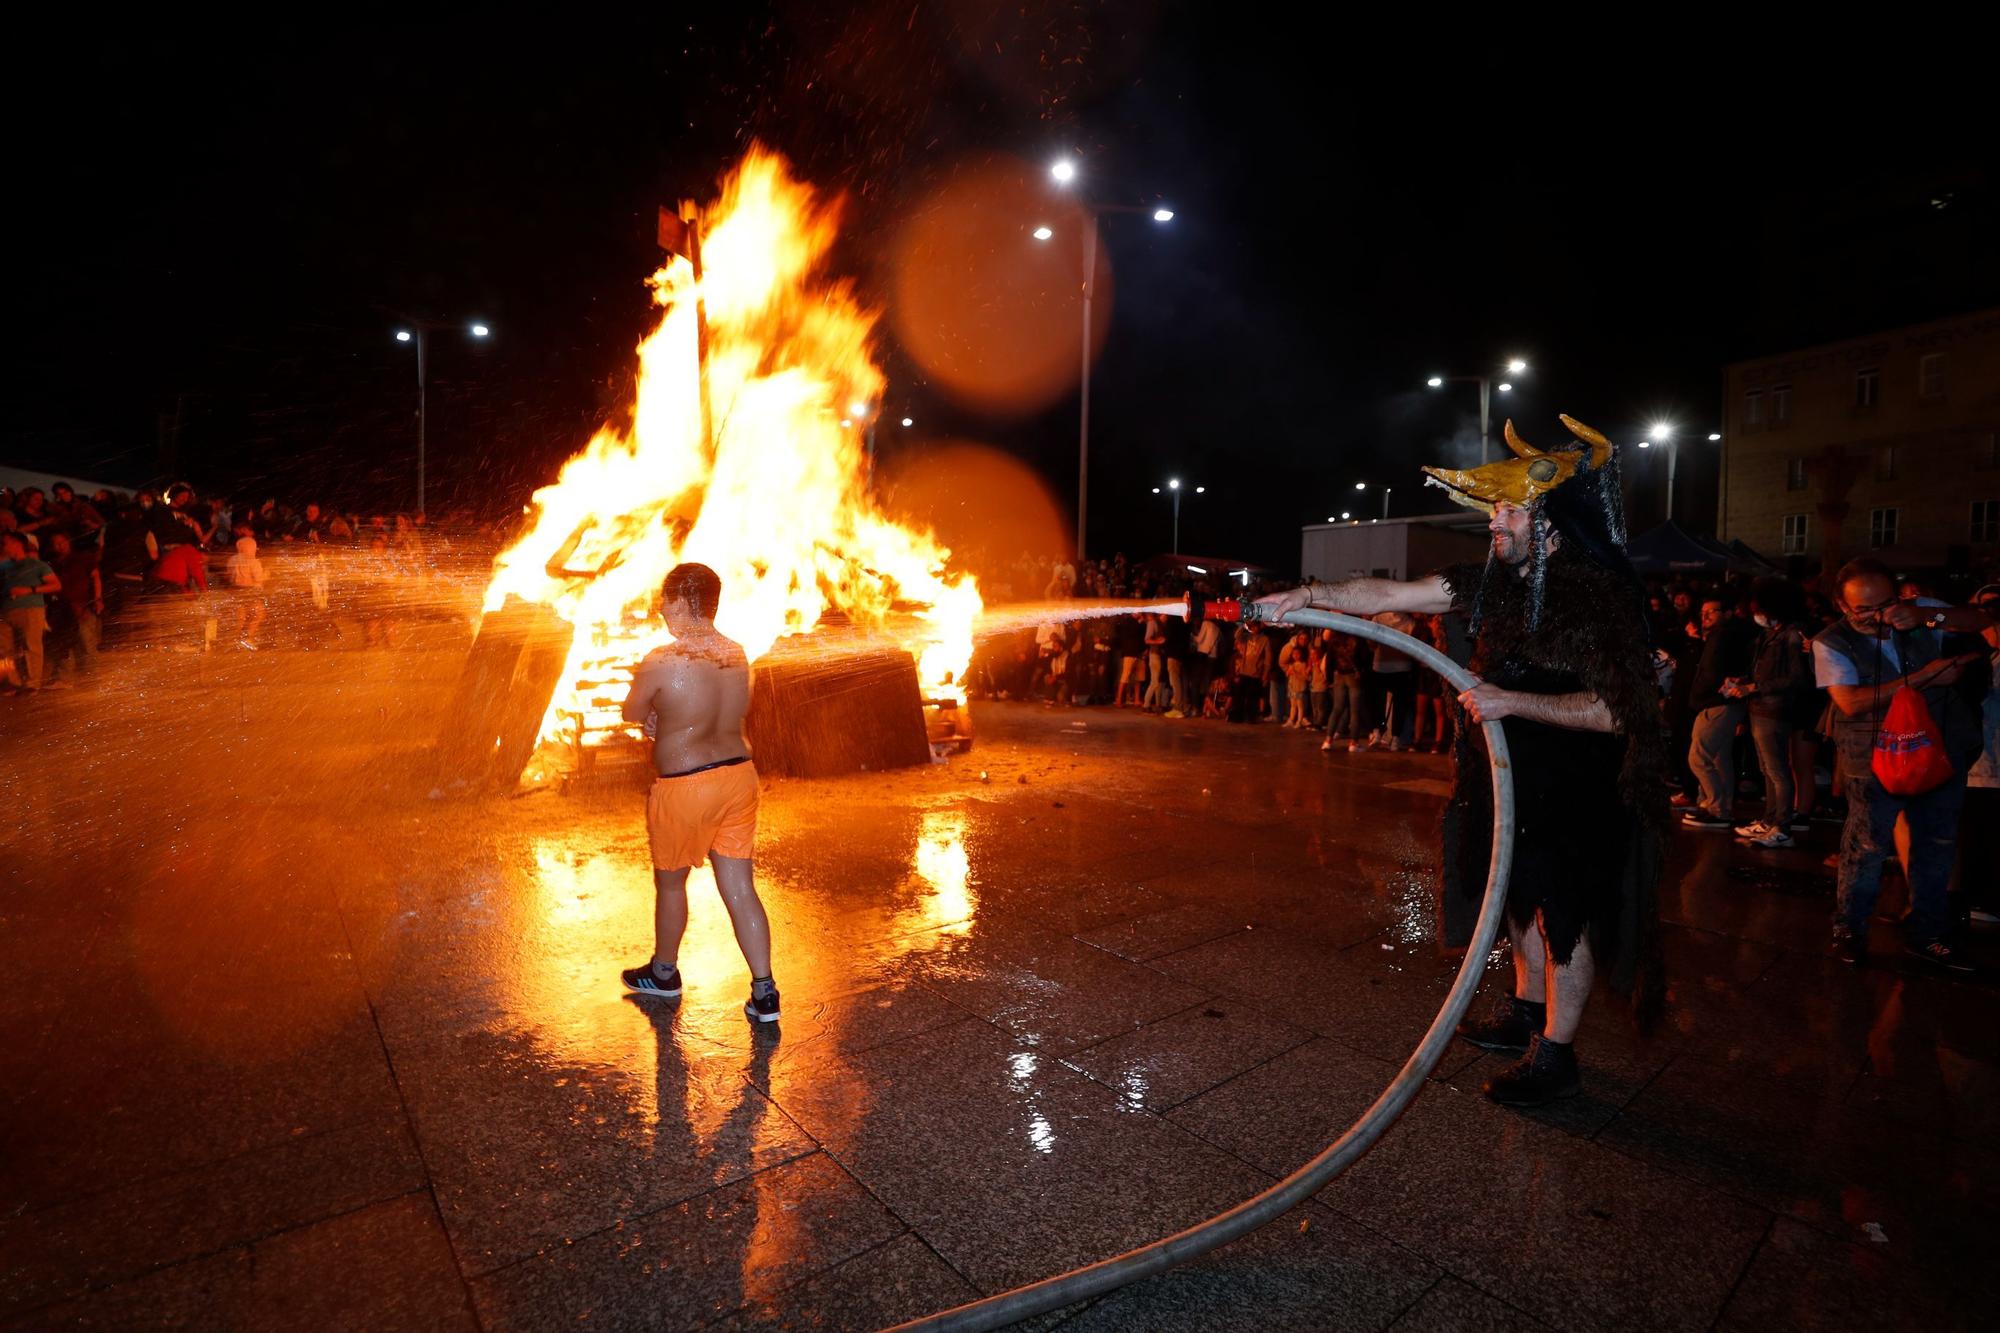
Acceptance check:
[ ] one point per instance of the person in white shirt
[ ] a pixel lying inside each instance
(247, 577)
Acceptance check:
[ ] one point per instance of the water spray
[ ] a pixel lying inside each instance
(1010, 1307)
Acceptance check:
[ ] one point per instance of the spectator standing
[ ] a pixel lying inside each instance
(1130, 640)
(1880, 645)
(1343, 688)
(1253, 660)
(1175, 650)
(1156, 666)
(1298, 675)
(75, 617)
(1728, 655)
(1397, 673)
(28, 583)
(1979, 824)
(247, 578)
(1316, 679)
(1783, 706)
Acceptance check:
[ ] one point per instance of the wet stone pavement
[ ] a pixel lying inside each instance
(290, 1042)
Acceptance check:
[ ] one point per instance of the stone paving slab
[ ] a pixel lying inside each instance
(304, 1043)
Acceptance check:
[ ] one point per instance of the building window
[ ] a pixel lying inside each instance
(1885, 463)
(1794, 542)
(1989, 452)
(1867, 387)
(1986, 520)
(1881, 528)
(1930, 376)
(1781, 404)
(1795, 474)
(1753, 408)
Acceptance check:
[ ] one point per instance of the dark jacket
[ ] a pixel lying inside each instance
(1729, 650)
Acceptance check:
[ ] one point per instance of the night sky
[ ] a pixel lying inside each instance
(220, 232)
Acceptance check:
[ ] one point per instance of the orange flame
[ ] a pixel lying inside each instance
(780, 509)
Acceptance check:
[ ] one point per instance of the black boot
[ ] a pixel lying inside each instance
(1510, 1026)
(1545, 1074)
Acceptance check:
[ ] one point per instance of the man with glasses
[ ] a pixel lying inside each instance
(1979, 826)
(1880, 645)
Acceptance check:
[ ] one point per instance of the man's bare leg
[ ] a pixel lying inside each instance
(736, 883)
(670, 917)
(1569, 991)
(1548, 1070)
(1529, 956)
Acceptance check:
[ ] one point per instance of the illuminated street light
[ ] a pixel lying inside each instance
(419, 332)
(1665, 433)
(1515, 366)
(1344, 516)
(908, 421)
(1174, 489)
(1360, 485)
(845, 423)
(1064, 171)
(857, 409)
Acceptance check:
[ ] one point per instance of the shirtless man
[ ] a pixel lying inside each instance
(693, 695)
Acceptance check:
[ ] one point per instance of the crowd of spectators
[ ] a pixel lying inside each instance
(208, 570)
(1774, 692)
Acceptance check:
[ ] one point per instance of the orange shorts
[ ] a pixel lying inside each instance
(714, 810)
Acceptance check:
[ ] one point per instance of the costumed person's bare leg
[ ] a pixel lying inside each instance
(1515, 1022)
(1548, 1071)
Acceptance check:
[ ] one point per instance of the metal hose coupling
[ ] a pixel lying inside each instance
(1010, 1307)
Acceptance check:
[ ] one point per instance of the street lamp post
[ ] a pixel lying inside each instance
(1362, 486)
(1666, 433)
(419, 332)
(1174, 489)
(1064, 172)
(1515, 366)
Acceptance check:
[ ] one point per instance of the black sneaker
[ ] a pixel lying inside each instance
(1938, 954)
(1702, 819)
(763, 1008)
(1510, 1026)
(1545, 1074)
(1849, 947)
(641, 980)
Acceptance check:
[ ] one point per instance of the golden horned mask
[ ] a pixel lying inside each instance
(1525, 478)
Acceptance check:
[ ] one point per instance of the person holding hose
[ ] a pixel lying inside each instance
(1557, 616)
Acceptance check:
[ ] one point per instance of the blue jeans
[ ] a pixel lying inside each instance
(1869, 839)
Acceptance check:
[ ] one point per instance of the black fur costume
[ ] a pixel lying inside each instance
(1591, 808)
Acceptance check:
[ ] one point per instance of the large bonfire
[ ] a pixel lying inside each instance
(777, 504)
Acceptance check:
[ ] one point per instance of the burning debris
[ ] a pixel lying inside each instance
(744, 453)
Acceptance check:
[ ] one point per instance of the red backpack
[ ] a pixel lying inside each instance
(1909, 757)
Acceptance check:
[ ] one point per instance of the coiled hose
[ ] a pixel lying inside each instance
(1009, 1307)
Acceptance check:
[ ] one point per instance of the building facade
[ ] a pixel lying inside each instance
(1885, 445)
(1391, 548)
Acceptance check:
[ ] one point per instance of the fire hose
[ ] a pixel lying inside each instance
(1096, 1279)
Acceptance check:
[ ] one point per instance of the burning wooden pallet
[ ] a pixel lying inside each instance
(811, 714)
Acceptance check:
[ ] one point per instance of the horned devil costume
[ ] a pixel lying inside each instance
(1593, 819)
